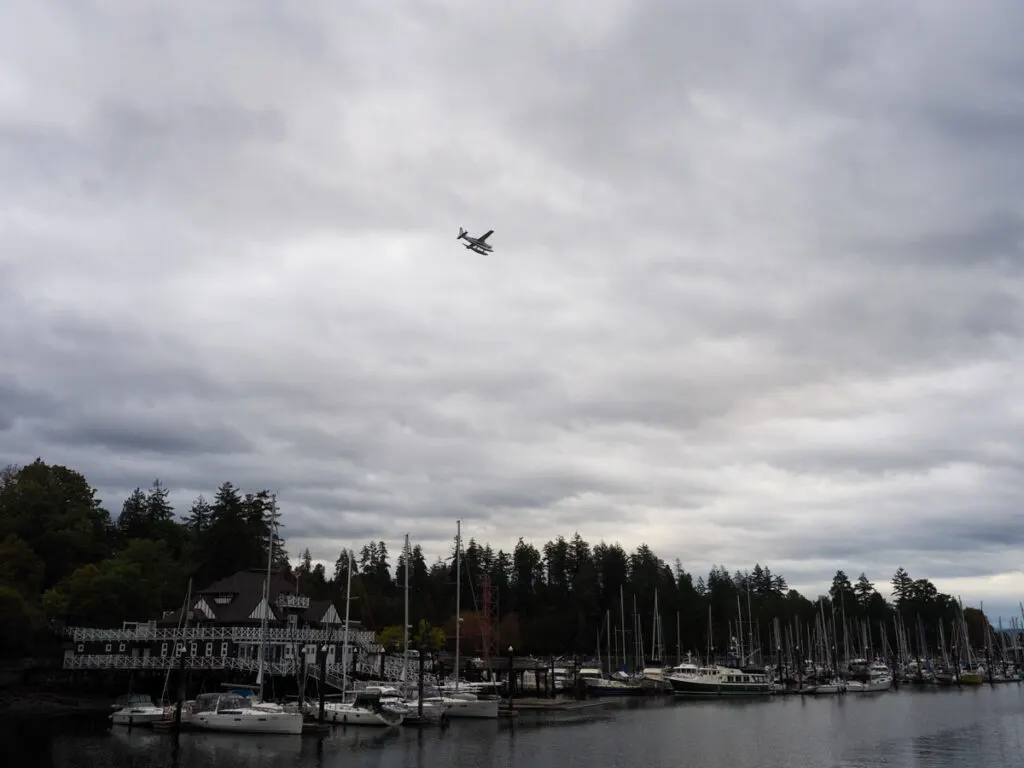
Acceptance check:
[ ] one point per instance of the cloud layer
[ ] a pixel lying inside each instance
(755, 296)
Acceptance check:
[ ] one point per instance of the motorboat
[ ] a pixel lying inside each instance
(690, 680)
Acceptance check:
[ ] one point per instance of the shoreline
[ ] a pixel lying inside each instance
(37, 703)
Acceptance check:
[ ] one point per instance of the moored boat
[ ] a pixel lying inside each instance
(367, 708)
(615, 685)
(233, 713)
(136, 709)
(689, 680)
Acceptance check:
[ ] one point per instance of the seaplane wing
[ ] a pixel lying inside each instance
(484, 236)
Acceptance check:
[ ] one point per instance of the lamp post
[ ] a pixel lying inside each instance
(511, 678)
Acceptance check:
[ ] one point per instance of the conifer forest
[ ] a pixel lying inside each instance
(66, 559)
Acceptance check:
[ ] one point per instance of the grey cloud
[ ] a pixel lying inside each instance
(164, 435)
(19, 402)
(755, 294)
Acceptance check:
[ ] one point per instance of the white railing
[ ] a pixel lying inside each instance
(115, 661)
(293, 601)
(364, 638)
(369, 666)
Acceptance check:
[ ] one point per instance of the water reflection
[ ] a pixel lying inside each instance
(946, 729)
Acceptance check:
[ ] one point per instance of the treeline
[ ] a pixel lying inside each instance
(65, 560)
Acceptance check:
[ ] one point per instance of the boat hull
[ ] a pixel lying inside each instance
(343, 715)
(683, 687)
(141, 716)
(283, 723)
(600, 687)
(874, 685)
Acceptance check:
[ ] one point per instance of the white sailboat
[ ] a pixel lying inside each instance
(456, 702)
(241, 714)
(464, 703)
(366, 707)
(136, 709)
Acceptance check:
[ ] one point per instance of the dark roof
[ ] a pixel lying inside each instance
(245, 590)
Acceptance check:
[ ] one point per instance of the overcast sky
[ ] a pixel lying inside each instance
(755, 294)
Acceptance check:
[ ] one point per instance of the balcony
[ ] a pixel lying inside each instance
(293, 602)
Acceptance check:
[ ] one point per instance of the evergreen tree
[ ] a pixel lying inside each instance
(901, 586)
(158, 507)
(133, 521)
(199, 514)
(863, 590)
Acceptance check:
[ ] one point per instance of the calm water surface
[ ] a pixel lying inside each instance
(925, 729)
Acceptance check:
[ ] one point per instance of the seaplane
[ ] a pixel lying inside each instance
(476, 244)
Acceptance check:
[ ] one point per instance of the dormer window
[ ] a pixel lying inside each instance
(223, 599)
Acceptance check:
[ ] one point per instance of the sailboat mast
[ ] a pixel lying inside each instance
(344, 644)
(636, 636)
(679, 641)
(608, 641)
(711, 632)
(405, 626)
(458, 596)
(654, 630)
(271, 535)
(186, 609)
(622, 612)
(750, 627)
(739, 629)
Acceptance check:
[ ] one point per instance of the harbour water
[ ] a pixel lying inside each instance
(936, 728)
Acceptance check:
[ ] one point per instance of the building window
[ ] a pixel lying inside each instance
(106, 649)
(209, 649)
(192, 648)
(163, 649)
(223, 650)
(120, 648)
(81, 647)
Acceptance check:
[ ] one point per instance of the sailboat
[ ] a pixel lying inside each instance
(462, 703)
(612, 684)
(366, 707)
(136, 709)
(238, 710)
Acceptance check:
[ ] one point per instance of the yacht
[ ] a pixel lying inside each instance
(690, 680)
(366, 708)
(136, 709)
(232, 712)
(462, 704)
(617, 684)
(879, 679)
